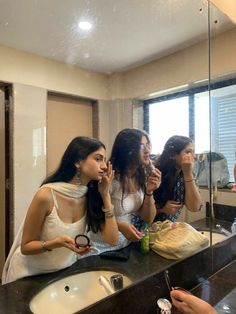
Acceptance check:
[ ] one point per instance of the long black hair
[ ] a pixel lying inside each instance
(125, 156)
(166, 163)
(79, 149)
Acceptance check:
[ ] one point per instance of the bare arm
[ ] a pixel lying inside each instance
(170, 207)
(193, 199)
(148, 210)
(110, 227)
(129, 231)
(31, 239)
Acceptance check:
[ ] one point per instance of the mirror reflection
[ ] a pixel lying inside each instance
(63, 79)
(222, 111)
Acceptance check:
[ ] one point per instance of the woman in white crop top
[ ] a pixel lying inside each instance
(60, 210)
(131, 189)
(135, 179)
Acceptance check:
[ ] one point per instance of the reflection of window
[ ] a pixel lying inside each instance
(202, 123)
(187, 113)
(161, 120)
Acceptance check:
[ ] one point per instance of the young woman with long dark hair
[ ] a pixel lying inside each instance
(131, 189)
(75, 195)
(178, 186)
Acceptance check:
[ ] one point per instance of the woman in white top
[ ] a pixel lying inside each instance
(132, 187)
(59, 211)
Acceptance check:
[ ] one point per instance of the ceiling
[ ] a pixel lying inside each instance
(125, 33)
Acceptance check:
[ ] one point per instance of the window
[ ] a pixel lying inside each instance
(202, 122)
(160, 120)
(224, 124)
(187, 113)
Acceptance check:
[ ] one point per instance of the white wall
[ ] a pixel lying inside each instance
(29, 145)
(113, 116)
(20, 67)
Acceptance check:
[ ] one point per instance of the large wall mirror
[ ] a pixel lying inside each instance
(143, 64)
(222, 114)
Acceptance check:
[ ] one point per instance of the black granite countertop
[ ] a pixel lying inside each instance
(146, 271)
(15, 297)
(220, 289)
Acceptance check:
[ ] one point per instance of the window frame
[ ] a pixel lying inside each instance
(188, 92)
(191, 105)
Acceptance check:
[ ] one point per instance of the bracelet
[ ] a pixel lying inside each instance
(190, 180)
(43, 243)
(109, 214)
(108, 210)
(148, 194)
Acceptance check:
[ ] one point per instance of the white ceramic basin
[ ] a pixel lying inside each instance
(73, 293)
(216, 237)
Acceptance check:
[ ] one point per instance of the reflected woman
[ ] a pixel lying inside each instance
(131, 191)
(178, 186)
(59, 211)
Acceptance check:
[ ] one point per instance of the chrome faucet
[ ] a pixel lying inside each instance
(223, 230)
(117, 281)
(104, 281)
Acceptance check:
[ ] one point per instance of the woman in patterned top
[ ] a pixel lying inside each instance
(178, 186)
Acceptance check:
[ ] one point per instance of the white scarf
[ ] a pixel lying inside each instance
(68, 189)
(71, 190)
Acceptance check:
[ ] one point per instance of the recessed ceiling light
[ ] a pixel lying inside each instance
(84, 25)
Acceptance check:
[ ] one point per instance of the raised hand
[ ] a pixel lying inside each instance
(187, 163)
(153, 181)
(105, 182)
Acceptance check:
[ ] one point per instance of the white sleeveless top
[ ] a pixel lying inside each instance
(124, 206)
(18, 265)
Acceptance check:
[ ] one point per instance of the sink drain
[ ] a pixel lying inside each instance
(67, 288)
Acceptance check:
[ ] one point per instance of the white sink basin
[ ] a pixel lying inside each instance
(73, 293)
(216, 237)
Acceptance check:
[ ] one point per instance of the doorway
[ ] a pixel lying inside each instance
(67, 117)
(6, 208)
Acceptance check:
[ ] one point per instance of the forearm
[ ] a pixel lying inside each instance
(148, 210)
(110, 230)
(107, 201)
(193, 199)
(110, 227)
(38, 247)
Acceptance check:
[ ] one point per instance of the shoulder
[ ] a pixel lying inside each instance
(43, 196)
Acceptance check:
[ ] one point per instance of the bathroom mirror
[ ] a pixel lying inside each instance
(134, 54)
(223, 113)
